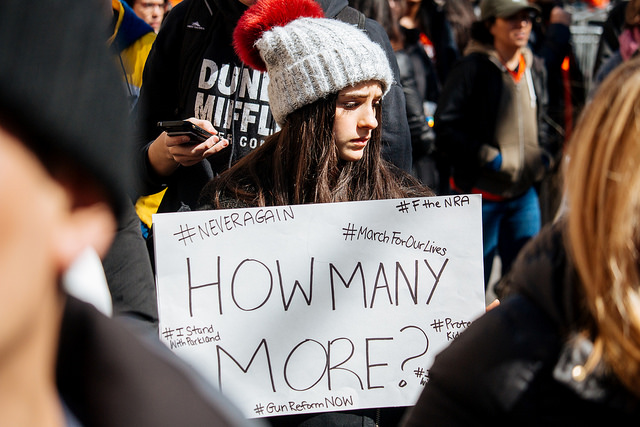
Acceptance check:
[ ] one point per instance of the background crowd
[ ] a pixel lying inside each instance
(491, 97)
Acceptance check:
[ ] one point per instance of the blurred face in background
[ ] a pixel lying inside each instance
(150, 11)
(513, 31)
(398, 8)
(28, 269)
(44, 226)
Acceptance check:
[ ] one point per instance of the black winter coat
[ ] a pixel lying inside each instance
(108, 377)
(513, 366)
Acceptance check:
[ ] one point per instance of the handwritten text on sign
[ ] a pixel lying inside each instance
(317, 308)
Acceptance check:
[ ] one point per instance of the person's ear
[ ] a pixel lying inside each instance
(86, 225)
(490, 24)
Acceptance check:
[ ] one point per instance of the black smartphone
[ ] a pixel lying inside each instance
(184, 127)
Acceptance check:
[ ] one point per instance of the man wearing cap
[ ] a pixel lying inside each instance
(490, 123)
(64, 162)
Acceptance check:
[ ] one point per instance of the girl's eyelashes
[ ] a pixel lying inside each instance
(350, 105)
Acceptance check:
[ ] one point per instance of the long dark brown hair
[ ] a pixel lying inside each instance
(300, 164)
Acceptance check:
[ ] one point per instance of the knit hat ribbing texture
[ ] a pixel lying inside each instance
(310, 58)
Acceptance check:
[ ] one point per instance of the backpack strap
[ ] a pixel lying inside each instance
(352, 16)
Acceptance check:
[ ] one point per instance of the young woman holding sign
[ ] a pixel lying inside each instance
(326, 81)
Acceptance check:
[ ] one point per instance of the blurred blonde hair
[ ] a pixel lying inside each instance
(603, 190)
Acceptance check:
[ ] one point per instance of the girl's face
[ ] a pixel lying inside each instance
(355, 119)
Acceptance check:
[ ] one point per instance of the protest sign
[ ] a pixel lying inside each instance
(317, 308)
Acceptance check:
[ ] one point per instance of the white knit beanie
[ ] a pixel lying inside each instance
(306, 56)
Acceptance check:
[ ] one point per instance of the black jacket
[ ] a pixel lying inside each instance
(199, 83)
(513, 365)
(108, 377)
(469, 116)
(612, 27)
(187, 76)
(129, 275)
(422, 135)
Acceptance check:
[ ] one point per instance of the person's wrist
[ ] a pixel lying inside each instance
(161, 158)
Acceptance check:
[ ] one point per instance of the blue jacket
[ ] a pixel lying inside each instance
(131, 41)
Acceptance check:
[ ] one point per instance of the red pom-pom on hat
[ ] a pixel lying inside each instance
(262, 17)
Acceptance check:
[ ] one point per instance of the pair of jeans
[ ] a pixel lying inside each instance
(506, 227)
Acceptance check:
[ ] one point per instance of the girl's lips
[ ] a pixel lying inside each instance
(361, 142)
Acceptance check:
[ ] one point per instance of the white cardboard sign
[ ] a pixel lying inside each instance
(318, 308)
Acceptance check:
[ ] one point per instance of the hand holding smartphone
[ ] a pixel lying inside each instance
(170, 150)
(185, 127)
